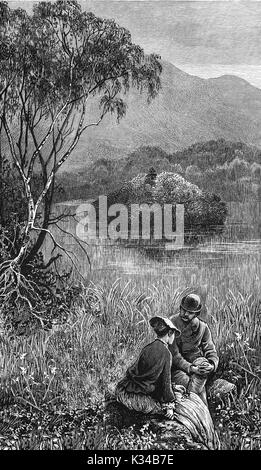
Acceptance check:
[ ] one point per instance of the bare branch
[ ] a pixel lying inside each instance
(94, 123)
(77, 241)
(55, 220)
(44, 140)
(15, 159)
(52, 260)
(63, 127)
(57, 245)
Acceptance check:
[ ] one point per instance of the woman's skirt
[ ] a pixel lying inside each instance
(137, 401)
(190, 411)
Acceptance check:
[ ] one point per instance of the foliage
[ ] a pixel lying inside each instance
(215, 152)
(256, 170)
(210, 165)
(239, 423)
(135, 438)
(203, 212)
(13, 204)
(49, 296)
(51, 429)
(53, 64)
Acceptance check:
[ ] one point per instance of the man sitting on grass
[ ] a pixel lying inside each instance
(196, 347)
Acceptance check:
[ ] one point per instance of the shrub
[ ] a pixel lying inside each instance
(177, 168)
(203, 211)
(193, 172)
(238, 168)
(256, 170)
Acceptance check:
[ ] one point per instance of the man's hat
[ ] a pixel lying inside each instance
(191, 303)
(163, 322)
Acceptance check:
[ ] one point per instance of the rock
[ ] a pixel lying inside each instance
(221, 391)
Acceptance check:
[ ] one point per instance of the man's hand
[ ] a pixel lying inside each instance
(194, 370)
(205, 368)
(202, 369)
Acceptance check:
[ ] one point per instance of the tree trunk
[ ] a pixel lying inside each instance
(1, 180)
(40, 239)
(18, 260)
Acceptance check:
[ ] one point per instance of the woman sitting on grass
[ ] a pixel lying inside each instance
(147, 385)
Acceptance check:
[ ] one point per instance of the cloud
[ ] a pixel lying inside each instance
(199, 32)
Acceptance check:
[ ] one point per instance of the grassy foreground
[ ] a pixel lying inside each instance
(53, 383)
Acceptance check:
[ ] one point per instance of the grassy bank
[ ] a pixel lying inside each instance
(52, 384)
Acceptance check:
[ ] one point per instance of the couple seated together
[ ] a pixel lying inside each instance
(169, 377)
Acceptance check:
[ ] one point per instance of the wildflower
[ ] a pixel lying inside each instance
(238, 336)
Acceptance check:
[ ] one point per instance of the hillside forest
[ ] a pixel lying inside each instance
(231, 170)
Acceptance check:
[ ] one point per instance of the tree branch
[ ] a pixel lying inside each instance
(44, 140)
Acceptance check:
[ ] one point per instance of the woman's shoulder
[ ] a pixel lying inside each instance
(158, 346)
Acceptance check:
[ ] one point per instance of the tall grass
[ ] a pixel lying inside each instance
(77, 362)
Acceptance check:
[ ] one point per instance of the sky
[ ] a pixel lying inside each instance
(202, 37)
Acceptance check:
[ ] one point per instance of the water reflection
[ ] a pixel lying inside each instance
(234, 247)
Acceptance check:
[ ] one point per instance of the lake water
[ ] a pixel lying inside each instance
(239, 243)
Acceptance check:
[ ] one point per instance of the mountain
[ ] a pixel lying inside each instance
(188, 109)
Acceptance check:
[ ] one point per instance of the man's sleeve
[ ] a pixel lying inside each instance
(178, 362)
(209, 349)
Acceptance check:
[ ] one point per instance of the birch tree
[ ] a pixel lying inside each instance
(53, 64)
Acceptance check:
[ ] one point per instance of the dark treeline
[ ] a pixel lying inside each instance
(229, 169)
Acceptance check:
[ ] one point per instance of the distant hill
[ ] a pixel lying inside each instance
(214, 153)
(217, 165)
(187, 110)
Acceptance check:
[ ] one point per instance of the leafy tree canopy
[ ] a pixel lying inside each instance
(61, 55)
(52, 63)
